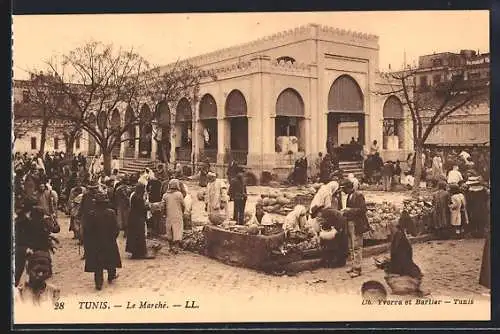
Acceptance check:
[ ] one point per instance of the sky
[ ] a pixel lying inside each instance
(164, 38)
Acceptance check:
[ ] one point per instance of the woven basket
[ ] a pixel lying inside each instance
(403, 285)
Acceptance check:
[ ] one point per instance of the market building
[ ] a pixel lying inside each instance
(274, 100)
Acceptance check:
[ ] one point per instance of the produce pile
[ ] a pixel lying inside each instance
(282, 202)
(194, 241)
(418, 207)
(380, 218)
(252, 229)
(312, 243)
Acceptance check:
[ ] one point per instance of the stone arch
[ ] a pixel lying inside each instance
(91, 140)
(208, 130)
(290, 103)
(346, 118)
(184, 130)
(236, 104)
(115, 125)
(163, 117)
(145, 131)
(208, 107)
(345, 95)
(130, 134)
(289, 122)
(236, 115)
(393, 124)
(393, 108)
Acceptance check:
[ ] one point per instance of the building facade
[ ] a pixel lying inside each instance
(274, 99)
(468, 126)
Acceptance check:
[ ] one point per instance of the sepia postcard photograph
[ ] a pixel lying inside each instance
(176, 168)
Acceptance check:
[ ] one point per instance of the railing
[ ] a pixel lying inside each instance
(183, 153)
(211, 154)
(240, 156)
(129, 152)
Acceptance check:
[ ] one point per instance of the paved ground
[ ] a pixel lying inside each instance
(450, 267)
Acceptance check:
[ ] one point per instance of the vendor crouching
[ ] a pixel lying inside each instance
(333, 237)
(402, 274)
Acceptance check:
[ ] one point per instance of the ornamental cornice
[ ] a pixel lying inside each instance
(310, 31)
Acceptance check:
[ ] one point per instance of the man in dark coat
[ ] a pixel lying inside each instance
(101, 249)
(335, 251)
(477, 204)
(441, 211)
(87, 210)
(31, 235)
(233, 170)
(357, 225)
(154, 192)
(204, 170)
(136, 226)
(238, 193)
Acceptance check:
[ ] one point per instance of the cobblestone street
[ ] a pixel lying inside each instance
(450, 268)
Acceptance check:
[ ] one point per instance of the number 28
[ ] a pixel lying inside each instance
(59, 306)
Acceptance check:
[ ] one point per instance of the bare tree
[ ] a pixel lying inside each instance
(42, 100)
(20, 129)
(431, 105)
(100, 79)
(181, 80)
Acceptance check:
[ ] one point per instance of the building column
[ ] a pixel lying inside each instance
(223, 134)
(154, 143)
(137, 140)
(195, 131)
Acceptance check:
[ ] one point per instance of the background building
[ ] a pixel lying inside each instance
(469, 126)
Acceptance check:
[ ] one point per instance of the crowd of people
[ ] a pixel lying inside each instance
(99, 206)
(158, 204)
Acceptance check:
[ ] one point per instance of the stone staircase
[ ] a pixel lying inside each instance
(355, 167)
(131, 166)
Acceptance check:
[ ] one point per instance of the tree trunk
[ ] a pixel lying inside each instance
(107, 157)
(43, 136)
(418, 164)
(70, 143)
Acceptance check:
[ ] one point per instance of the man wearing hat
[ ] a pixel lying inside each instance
(101, 249)
(87, 208)
(32, 234)
(354, 210)
(122, 203)
(36, 290)
(477, 198)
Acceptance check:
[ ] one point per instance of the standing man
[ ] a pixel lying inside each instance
(238, 193)
(122, 203)
(354, 210)
(387, 174)
(87, 211)
(101, 250)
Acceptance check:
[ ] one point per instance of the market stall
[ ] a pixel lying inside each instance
(267, 248)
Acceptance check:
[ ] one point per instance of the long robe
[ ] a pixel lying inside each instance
(213, 199)
(101, 249)
(477, 206)
(122, 202)
(441, 212)
(485, 274)
(401, 262)
(458, 211)
(155, 195)
(136, 233)
(173, 203)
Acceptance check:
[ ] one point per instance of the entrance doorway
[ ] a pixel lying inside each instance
(346, 119)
